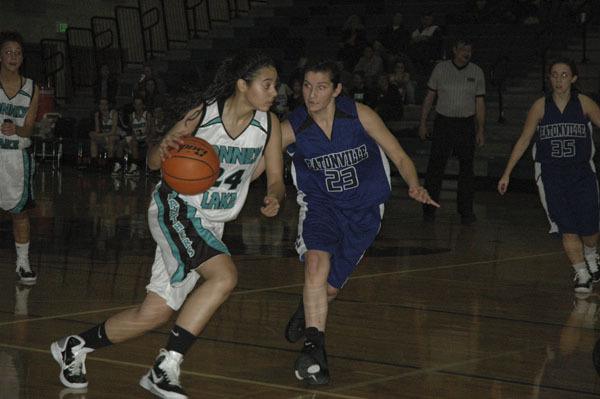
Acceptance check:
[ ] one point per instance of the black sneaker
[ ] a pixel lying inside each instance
(296, 326)
(163, 378)
(27, 277)
(311, 365)
(70, 354)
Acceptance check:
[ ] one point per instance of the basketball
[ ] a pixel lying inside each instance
(193, 168)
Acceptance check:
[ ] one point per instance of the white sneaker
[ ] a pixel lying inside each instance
(163, 378)
(26, 275)
(116, 169)
(583, 281)
(133, 170)
(592, 264)
(69, 352)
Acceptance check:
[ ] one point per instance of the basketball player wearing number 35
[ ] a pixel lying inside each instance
(235, 119)
(342, 175)
(564, 168)
(18, 109)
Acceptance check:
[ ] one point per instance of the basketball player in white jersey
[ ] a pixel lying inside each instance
(235, 119)
(18, 109)
(142, 129)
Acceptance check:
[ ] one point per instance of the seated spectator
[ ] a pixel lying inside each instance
(371, 65)
(400, 80)
(395, 38)
(526, 11)
(105, 133)
(147, 74)
(295, 99)
(387, 100)
(353, 40)
(426, 42)
(107, 85)
(150, 94)
(359, 91)
(142, 129)
(280, 105)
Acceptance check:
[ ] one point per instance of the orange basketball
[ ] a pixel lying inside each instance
(193, 168)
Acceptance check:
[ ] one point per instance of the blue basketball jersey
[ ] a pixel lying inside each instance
(349, 170)
(563, 139)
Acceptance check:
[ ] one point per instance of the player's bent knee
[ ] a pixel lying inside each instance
(332, 292)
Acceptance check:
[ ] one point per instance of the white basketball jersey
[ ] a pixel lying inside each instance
(16, 109)
(138, 125)
(238, 157)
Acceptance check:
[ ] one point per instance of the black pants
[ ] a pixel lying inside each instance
(452, 136)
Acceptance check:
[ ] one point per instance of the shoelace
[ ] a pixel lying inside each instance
(171, 370)
(580, 276)
(77, 366)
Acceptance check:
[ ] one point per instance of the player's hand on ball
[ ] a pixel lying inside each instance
(420, 194)
(185, 127)
(271, 207)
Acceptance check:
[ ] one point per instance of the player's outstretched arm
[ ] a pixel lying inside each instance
(172, 140)
(533, 118)
(274, 168)
(392, 148)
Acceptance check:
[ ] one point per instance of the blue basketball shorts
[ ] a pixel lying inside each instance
(343, 233)
(570, 199)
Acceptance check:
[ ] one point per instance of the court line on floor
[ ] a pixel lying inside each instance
(427, 370)
(198, 374)
(281, 287)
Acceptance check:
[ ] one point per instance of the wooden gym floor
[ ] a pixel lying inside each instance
(433, 311)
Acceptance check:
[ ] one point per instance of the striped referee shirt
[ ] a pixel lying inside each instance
(456, 88)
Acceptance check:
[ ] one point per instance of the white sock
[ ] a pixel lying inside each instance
(23, 255)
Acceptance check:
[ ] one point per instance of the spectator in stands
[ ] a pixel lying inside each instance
(295, 98)
(426, 42)
(459, 86)
(107, 85)
(359, 91)
(388, 102)
(526, 12)
(395, 38)
(105, 134)
(160, 125)
(371, 65)
(400, 80)
(147, 74)
(150, 94)
(280, 105)
(354, 39)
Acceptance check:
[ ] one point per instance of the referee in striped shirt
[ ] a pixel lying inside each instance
(459, 87)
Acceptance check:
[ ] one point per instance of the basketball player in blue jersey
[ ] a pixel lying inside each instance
(18, 109)
(342, 176)
(236, 120)
(560, 125)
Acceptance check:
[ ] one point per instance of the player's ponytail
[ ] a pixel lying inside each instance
(244, 65)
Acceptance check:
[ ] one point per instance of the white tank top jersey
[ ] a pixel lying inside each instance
(238, 157)
(16, 109)
(138, 125)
